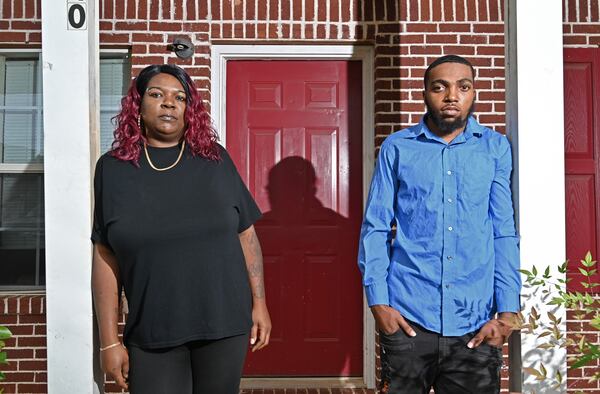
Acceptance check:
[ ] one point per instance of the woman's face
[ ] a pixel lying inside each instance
(163, 109)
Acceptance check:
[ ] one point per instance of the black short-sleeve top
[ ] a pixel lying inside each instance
(175, 237)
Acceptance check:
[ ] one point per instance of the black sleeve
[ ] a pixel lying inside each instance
(98, 228)
(248, 211)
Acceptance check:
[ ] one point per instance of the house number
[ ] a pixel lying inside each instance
(76, 15)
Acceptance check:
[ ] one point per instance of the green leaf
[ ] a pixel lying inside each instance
(5, 333)
(558, 377)
(547, 273)
(534, 372)
(534, 271)
(583, 272)
(2, 376)
(525, 272)
(581, 361)
(3, 358)
(543, 370)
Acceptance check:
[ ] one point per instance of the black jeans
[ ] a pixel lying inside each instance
(415, 365)
(198, 367)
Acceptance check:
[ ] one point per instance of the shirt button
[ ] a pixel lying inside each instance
(447, 286)
(449, 257)
(450, 200)
(449, 172)
(450, 228)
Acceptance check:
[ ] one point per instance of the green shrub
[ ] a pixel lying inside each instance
(584, 305)
(4, 334)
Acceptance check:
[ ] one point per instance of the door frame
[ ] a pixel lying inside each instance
(220, 55)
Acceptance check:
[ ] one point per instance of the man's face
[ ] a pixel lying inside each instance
(449, 97)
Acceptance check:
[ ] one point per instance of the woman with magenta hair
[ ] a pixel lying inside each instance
(173, 227)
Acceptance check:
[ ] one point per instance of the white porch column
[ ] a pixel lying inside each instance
(70, 87)
(535, 126)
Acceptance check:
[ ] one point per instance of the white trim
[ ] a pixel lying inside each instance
(70, 60)
(6, 168)
(535, 33)
(220, 54)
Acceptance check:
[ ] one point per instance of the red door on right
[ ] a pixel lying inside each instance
(582, 157)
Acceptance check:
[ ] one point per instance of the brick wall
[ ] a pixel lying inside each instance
(26, 318)
(406, 36)
(581, 28)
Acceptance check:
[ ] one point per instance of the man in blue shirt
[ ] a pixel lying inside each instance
(438, 248)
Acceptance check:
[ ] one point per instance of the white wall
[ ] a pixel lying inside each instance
(535, 126)
(70, 63)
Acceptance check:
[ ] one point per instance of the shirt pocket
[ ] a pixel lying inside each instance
(477, 176)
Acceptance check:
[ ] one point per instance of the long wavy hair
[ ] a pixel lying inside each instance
(199, 135)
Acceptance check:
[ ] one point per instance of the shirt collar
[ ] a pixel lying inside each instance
(473, 129)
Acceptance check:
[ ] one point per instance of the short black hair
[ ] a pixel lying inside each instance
(141, 82)
(446, 59)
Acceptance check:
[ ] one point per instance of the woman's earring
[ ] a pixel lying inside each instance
(139, 122)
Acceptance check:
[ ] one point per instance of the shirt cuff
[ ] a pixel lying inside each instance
(507, 300)
(377, 294)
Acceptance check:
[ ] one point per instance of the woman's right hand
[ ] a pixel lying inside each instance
(115, 363)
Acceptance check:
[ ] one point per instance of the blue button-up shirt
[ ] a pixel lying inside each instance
(453, 260)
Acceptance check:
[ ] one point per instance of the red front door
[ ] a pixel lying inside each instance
(294, 132)
(582, 156)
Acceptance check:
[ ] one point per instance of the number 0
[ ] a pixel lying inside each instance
(81, 12)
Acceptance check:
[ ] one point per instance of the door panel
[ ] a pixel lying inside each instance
(582, 152)
(294, 132)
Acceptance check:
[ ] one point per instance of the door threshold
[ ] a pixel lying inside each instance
(304, 383)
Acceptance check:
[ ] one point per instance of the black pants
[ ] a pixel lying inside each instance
(415, 365)
(198, 367)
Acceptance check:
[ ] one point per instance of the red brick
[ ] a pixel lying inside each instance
(488, 28)
(7, 9)
(238, 30)
(574, 40)
(483, 10)
(496, 39)
(119, 9)
(587, 28)
(421, 27)
(334, 11)
(273, 11)
(250, 31)
(33, 388)
(481, 84)
(490, 51)
(490, 73)
(106, 25)
(25, 25)
(165, 26)
(425, 50)
(261, 30)
(437, 8)
(392, 13)
(19, 377)
(595, 40)
(471, 14)
(321, 31)
(178, 9)
(261, 10)
(273, 31)
(460, 10)
(33, 365)
(489, 96)
(22, 329)
(34, 37)
(41, 353)
(147, 37)
(226, 10)
(8, 320)
(495, 11)
(455, 27)
(17, 9)
(12, 37)
(447, 10)
(215, 31)
(473, 39)
(40, 329)
(142, 10)
(595, 11)
(389, 28)
(227, 30)
(31, 341)
(491, 119)
(41, 377)
(131, 25)
(441, 39)
(459, 50)
(114, 38)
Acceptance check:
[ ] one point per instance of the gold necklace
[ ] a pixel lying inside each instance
(165, 168)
